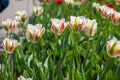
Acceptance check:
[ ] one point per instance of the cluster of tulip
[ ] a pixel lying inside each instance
(33, 33)
(73, 1)
(112, 47)
(77, 24)
(107, 12)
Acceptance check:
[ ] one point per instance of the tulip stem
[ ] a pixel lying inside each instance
(11, 66)
(6, 57)
(5, 62)
(33, 62)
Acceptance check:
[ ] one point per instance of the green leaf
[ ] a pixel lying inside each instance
(46, 62)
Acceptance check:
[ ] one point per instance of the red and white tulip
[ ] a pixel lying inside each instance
(90, 27)
(106, 11)
(21, 16)
(68, 2)
(113, 47)
(96, 6)
(34, 32)
(77, 23)
(59, 1)
(115, 17)
(9, 45)
(10, 25)
(37, 10)
(58, 26)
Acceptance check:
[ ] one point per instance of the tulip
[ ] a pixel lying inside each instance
(58, 1)
(117, 2)
(111, 6)
(96, 6)
(9, 45)
(34, 33)
(37, 10)
(113, 47)
(77, 23)
(21, 16)
(22, 78)
(90, 27)
(58, 26)
(115, 17)
(82, 1)
(10, 25)
(106, 11)
(68, 2)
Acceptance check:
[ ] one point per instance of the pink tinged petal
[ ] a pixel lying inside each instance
(53, 27)
(3, 44)
(113, 16)
(118, 19)
(27, 34)
(117, 53)
(34, 35)
(79, 27)
(9, 46)
(85, 29)
(114, 19)
(63, 26)
(94, 30)
(104, 13)
(71, 25)
(15, 26)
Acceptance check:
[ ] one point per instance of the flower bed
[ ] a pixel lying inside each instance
(62, 40)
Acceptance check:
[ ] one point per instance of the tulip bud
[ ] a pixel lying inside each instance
(96, 6)
(58, 26)
(106, 11)
(9, 45)
(10, 25)
(115, 17)
(21, 16)
(37, 10)
(113, 47)
(34, 33)
(90, 28)
(77, 23)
